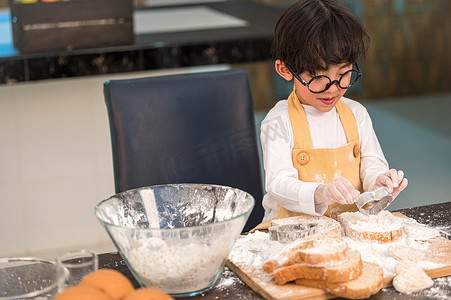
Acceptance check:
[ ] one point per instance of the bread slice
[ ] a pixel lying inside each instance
(368, 283)
(383, 227)
(410, 278)
(348, 270)
(326, 225)
(313, 250)
(405, 252)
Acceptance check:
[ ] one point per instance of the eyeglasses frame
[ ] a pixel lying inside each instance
(331, 82)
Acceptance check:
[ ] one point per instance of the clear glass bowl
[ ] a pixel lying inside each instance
(176, 237)
(28, 278)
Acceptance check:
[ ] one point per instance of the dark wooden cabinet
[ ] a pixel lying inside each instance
(72, 24)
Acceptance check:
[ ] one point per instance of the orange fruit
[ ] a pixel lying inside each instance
(111, 282)
(148, 294)
(82, 292)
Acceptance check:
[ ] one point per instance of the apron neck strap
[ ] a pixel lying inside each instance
(300, 126)
(299, 123)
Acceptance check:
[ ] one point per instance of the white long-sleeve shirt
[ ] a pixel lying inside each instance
(282, 184)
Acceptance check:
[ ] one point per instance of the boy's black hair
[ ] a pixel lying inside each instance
(313, 34)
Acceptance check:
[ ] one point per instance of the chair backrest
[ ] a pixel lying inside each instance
(187, 128)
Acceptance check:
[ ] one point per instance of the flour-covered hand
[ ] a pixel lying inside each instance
(394, 180)
(339, 190)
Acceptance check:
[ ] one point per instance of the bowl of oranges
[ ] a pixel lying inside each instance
(176, 237)
(108, 284)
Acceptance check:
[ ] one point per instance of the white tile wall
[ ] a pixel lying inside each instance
(56, 164)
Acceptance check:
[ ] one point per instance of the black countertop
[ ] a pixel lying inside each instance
(157, 50)
(229, 286)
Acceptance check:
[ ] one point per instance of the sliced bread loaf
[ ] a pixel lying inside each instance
(368, 283)
(318, 250)
(349, 269)
(383, 227)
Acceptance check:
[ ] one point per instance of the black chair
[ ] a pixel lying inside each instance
(188, 128)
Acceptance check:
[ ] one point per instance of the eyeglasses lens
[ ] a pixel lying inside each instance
(320, 83)
(354, 75)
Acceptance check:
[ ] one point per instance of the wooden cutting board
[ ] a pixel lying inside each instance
(264, 285)
(271, 290)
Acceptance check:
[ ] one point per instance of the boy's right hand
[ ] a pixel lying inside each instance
(339, 190)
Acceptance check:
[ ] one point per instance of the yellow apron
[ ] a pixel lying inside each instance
(322, 165)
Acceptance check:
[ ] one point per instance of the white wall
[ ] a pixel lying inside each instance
(55, 164)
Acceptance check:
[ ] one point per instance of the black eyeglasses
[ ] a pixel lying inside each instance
(322, 83)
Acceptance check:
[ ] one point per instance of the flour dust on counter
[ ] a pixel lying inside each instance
(253, 250)
(419, 244)
(378, 253)
(230, 282)
(438, 290)
(431, 218)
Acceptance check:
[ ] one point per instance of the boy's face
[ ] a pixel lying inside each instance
(324, 101)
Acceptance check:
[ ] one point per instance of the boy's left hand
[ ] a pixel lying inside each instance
(393, 180)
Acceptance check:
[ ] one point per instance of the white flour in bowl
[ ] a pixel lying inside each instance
(178, 267)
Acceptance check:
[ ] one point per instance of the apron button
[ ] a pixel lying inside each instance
(303, 158)
(356, 151)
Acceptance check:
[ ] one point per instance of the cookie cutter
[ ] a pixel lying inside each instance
(290, 232)
(371, 203)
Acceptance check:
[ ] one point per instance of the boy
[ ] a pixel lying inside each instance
(319, 148)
